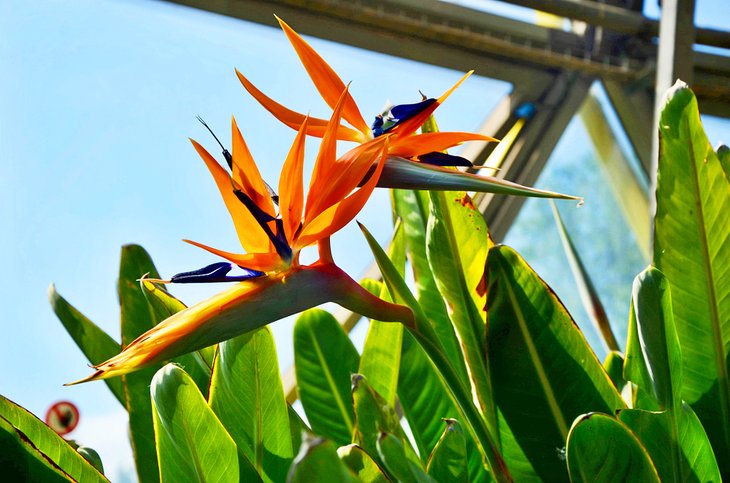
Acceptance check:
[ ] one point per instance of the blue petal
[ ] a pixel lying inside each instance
(442, 159)
(216, 272)
(399, 114)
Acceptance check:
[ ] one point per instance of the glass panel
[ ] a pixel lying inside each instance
(604, 241)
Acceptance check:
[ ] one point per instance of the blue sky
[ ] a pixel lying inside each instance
(97, 99)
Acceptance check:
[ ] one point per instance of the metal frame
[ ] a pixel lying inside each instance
(551, 69)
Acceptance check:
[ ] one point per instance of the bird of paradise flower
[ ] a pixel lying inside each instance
(271, 269)
(390, 154)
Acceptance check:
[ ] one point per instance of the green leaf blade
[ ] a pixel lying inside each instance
(602, 449)
(247, 397)
(324, 360)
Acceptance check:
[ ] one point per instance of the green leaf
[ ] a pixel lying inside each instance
(413, 209)
(556, 376)
(136, 319)
(198, 364)
(588, 293)
(602, 449)
(676, 442)
(296, 427)
(674, 438)
(448, 459)
(422, 331)
(457, 248)
(692, 249)
(405, 174)
(653, 357)
(373, 415)
(247, 396)
(393, 454)
(96, 344)
(324, 360)
(723, 153)
(192, 443)
(92, 457)
(318, 461)
(614, 366)
(26, 444)
(361, 464)
(380, 360)
(21, 461)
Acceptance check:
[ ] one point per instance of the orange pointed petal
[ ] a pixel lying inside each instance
(410, 126)
(327, 82)
(291, 185)
(316, 127)
(250, 234)
(246, 174)
(347, 173)
(326, 157)
(410, 146)
(340, 214)
(264, 262)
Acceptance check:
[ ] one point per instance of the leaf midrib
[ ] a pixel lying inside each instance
(331, 383)
(535, 358)
(722, 374)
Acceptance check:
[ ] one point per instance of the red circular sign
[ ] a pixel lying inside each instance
(62, 417)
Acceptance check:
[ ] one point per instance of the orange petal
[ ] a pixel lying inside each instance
(346, 174)
(327, 82)
(340, 214)
(406, 128)
(252, 237)
(246, 174)
(410, 146)
(316, 127)
(264, 262)
(291, 185)
(326, 157)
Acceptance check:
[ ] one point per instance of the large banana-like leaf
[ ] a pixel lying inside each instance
(96, 344)
(136, 318)
(395, 457)
(544, 374)
(421, 329)
(31, 451)
(692, 249)
(603, 450)
(324, 360)
(413, 208)
(674, 436)
(457, 246)
(192, 443)
(247, 396)
(381, 355)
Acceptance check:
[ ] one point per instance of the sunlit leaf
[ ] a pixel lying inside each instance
(676, 442)
(692, 249)
(318, 461)
(614, 366)
(544, 373)
(674, 437)
(192, 443)
(395, 458)
(381, 355)
(247, 396)
(96, 344)
(28, 444)
(361, 464)
(136, 318)
(324, 360)
(448, 462)
(602, 449)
